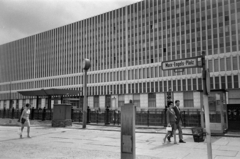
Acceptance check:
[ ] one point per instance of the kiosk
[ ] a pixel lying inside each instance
(62, 115)
(218, 111)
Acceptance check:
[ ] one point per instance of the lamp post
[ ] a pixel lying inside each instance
(206, 92)
(86, 66)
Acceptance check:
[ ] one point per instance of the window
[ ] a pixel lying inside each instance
(216, 65)
(179, 85)
(136, 101)
(120, 101)
(234, 96)
(152, 100)
(222, 64)
(199, 83)
(235, 81)
(194, 84)
(210, 65)
(234, 63)
(223, 82)
(228, 63)
(188, 99)
(184, 85)
(189, 84)
(229, 81)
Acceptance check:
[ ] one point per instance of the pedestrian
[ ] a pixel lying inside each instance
(24, 120)
(171, 122)
(179, 122)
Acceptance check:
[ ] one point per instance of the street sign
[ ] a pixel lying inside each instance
(182, 63)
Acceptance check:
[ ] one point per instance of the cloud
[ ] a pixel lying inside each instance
(22, 18)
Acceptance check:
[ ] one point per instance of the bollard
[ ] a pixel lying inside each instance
(106, 116)
(114, 117)
(32, 113)
(97, 116)
(72, 114)
(4, 112)
(88, 114)
(148, 118)
(12, 113)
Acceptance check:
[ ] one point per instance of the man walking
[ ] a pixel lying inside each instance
(179, 122)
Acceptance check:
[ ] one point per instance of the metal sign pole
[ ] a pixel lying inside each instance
(206, 91)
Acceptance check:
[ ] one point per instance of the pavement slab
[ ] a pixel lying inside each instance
(103, 142)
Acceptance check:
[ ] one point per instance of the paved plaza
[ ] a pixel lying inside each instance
(103, 142)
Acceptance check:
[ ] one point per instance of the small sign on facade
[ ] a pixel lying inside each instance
(182, 63)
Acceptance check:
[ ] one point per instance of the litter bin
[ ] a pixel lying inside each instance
(198, 134)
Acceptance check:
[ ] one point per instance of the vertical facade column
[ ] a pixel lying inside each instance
(49, 102)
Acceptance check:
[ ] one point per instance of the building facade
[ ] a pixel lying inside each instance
(126, 47)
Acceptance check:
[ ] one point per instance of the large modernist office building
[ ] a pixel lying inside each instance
(126, 47)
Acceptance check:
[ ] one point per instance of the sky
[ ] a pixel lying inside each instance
(23, 18)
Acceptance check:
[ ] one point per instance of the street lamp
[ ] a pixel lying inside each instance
(86, 66)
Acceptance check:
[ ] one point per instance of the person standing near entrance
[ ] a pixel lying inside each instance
(179, 121)
(24, 119)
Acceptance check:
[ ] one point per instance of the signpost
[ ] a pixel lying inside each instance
(198, 61)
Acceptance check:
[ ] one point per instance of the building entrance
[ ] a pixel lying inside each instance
(233, 116)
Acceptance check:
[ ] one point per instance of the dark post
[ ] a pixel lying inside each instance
(148, 118)
(184, 119)
(114, 117)
(97, 116)
(106, 116)
(32, 113)
(4, 112)
(118, 117)
(88, 114)
(72, 114)
(12, 113)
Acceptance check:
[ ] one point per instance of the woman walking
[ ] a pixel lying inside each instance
(25, 120)
(171, 121)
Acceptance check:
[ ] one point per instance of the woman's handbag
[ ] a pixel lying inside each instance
(168, 128)
(23, 120)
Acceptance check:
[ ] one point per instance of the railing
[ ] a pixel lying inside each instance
(191, 118)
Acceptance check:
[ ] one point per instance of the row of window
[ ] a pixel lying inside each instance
(215, 65)
(188, 101)
(216, 82)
